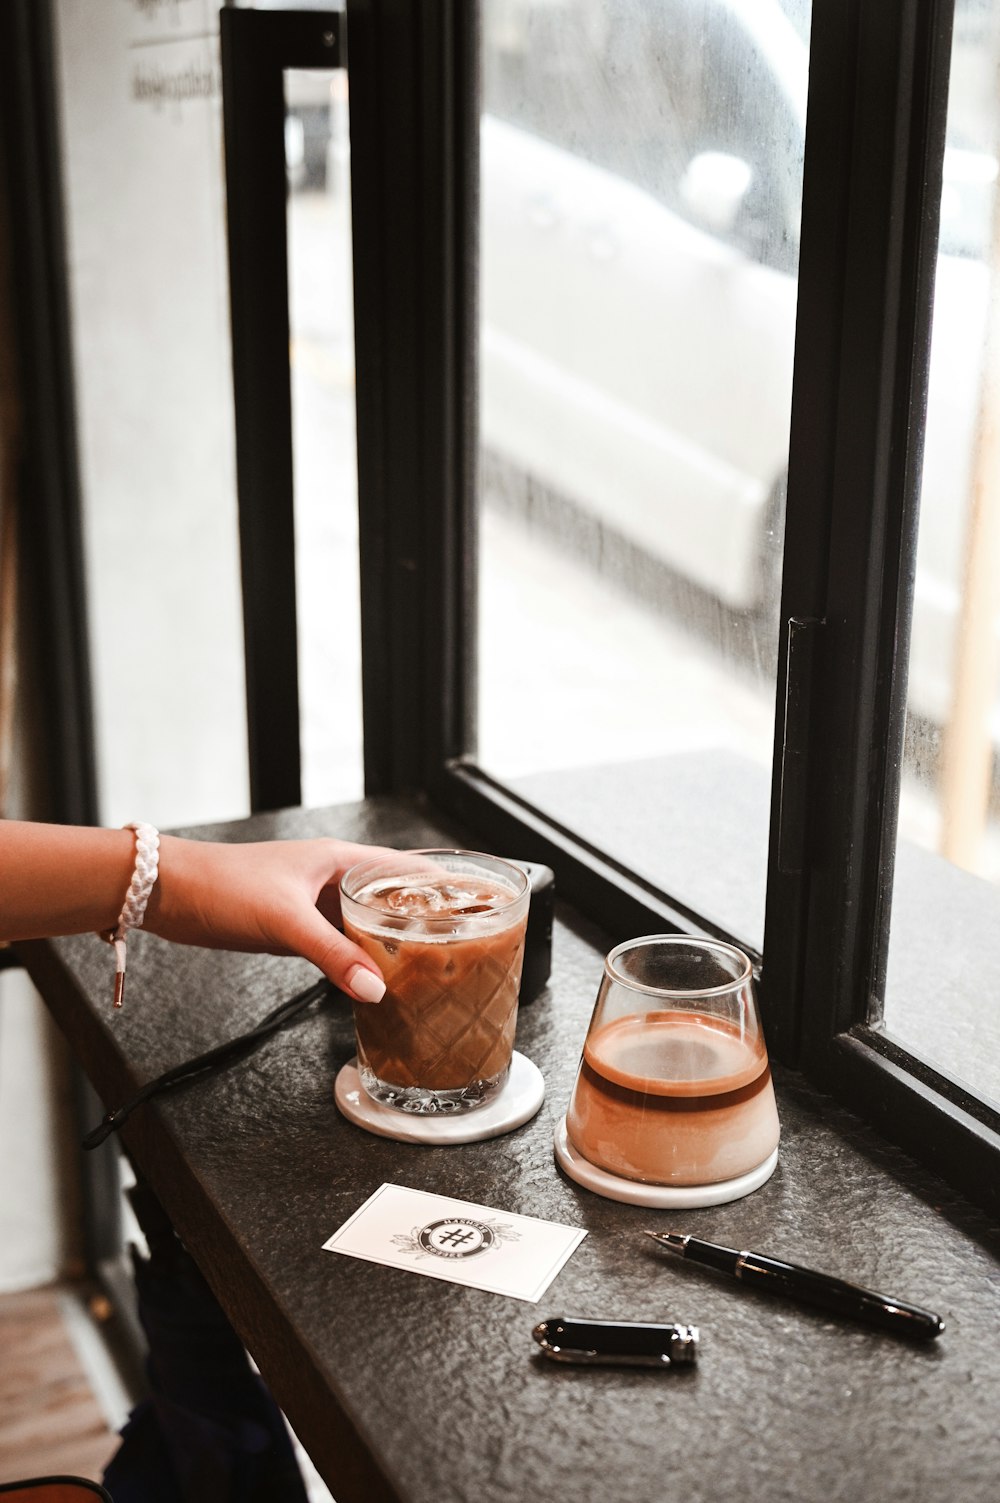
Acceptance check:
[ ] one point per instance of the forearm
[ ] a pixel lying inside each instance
(61, 879)
(281, 897)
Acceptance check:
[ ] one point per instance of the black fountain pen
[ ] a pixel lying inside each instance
(790, 1281)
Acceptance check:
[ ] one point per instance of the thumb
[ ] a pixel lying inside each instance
(341, 961)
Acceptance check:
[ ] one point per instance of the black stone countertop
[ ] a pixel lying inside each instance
(406, 1387)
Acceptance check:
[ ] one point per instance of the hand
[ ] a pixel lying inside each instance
(278, 897)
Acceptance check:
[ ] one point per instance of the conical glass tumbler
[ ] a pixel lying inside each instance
(674, 1087)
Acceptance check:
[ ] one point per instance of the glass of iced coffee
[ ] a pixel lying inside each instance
(674, 1087)
(446, 929)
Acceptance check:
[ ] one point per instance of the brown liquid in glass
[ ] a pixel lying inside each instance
(673, 1098)
(447, 1019)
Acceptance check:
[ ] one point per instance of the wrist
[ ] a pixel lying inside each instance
(133, 909)
(160, 910)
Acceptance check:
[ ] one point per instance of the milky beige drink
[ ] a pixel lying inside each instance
(449, 939)
(674, 1098)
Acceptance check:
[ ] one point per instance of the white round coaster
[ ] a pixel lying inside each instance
(663, 1197)
(516, 1104)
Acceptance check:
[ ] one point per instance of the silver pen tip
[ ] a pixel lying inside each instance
(675, 1241)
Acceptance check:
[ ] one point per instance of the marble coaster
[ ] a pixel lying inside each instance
(663, 1197)
(516, 1104)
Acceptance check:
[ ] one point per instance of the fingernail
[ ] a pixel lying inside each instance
(365, 985)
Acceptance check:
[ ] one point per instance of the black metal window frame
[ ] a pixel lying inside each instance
(256, 48)
(874, 154)
(874, 149)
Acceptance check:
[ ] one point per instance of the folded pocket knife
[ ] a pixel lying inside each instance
(625, 1343)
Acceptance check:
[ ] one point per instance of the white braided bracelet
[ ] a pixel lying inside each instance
(147, 859)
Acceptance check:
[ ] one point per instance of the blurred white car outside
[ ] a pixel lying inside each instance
(639, 293)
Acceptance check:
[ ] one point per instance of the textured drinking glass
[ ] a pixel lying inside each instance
(446, 929)
(674, 1087)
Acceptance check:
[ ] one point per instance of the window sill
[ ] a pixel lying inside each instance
(257, 1170)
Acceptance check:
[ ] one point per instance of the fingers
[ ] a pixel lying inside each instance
(341, 961)
(363, 984)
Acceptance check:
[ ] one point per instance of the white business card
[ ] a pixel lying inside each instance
(499, 1251)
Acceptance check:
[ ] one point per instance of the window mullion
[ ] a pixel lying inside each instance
(411, 82)
(875, 139)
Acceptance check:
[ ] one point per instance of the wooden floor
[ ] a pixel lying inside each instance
(50, 1421)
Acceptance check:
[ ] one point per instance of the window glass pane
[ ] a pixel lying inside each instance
(141, 139)
(317, 150)
(944, 952)
(641, 186)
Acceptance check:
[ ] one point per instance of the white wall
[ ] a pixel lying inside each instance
(145, 210)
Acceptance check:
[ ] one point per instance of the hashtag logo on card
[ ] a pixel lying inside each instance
(456, 1238)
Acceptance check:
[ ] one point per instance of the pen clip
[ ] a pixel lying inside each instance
(595, 1343)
